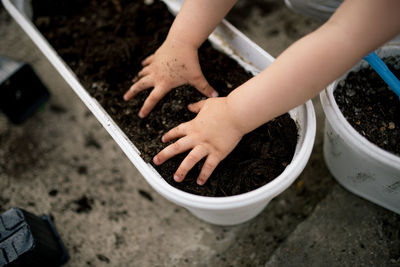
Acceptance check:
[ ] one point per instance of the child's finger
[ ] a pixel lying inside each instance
(196, 107)
(190, 160)
(174, 133)
(151, 101)
(145, 71)
(135, 79)
(209, 166)
(204, 87)
(140, 85)
(147, 60)
(170, 151)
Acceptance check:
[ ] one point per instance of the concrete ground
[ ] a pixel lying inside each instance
(63, 163)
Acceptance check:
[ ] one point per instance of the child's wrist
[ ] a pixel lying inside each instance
(182, 40)
(236, 116)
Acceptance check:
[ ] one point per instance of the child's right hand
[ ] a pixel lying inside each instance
(173, 64)
(212, 134)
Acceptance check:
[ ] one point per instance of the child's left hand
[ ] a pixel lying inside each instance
(213, 133)
(173, 64)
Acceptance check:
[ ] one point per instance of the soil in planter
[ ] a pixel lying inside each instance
(104, 42)
(371, 107)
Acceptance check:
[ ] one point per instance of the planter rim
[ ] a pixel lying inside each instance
(350, 135)
(269, 191)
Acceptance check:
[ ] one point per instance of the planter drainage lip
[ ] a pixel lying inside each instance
(254, 59)
(346, 131)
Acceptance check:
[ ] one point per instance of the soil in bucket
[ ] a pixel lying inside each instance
(104, 42)
(371, 107)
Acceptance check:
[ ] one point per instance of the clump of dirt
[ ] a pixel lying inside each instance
(83, 204)
(104, 42)
(371, 107)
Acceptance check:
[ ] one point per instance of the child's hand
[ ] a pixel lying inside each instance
(173, 64)
(212, 134)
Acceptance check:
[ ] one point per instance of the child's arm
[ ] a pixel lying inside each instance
(176, 62)
(299, 73)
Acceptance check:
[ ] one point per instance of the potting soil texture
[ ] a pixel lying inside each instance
(371, 107)
(104, 42)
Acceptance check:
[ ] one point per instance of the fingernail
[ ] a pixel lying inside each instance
(125, 98)
(141, 115)
(200, 182)
(176, 178)
(156, 160)
(214, 94)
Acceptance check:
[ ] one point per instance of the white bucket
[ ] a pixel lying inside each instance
(357, 164)
(218, 210)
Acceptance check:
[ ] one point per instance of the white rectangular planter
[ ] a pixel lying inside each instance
(225, 210)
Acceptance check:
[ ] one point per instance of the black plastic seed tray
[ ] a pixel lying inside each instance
(29, 240)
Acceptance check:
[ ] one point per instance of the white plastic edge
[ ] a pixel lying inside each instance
(273, 188)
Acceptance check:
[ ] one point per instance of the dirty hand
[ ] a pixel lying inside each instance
(213, 134)
(172, 65)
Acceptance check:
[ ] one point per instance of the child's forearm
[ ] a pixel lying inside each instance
(313, 62)
(197, 19)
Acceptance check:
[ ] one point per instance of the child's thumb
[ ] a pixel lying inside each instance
(196, 107)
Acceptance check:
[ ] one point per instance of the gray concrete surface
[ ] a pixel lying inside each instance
(342, 231)
(62, 162)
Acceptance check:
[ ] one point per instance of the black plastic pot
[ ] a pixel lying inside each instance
(22, 93)
(29, 240)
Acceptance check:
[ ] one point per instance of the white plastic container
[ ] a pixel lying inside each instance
(218, 210)
(359, 165)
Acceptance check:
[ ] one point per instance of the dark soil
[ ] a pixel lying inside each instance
(104, 42)
(371, 107)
